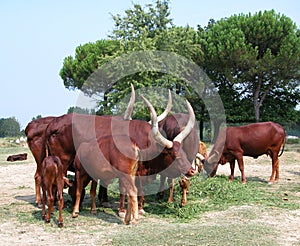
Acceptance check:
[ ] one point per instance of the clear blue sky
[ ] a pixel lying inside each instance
(37, 35)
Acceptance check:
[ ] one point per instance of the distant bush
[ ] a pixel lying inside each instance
(9, 127)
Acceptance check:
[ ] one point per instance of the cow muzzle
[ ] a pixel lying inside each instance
(192, 172)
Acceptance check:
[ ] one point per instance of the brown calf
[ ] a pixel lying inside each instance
(52, 183)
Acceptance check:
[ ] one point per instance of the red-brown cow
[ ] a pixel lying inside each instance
(36, 135)
(153, 146)
(180, 125)
(172, 126)
(251, 140)
(52, 183)
(102, 159)
(17, 157)
(35, 132)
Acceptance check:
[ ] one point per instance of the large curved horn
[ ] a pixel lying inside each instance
(155, 131)
(214, 157)
(182, 135)
(128, 112)
(166, 111)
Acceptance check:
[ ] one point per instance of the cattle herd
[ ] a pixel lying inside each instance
(135, 151)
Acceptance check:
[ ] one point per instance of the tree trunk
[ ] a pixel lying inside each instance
(256, 99)
(256, 112)
(201, 128)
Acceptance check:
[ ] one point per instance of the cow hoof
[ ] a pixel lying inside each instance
(75, 214)
(93, 211)
(122, 214)
(40, 205)
(134, 222)
(47, 221)
(43, 217)
(60, 224)
(183, 203)
(126, 222)
(270, 182)
(142, 211)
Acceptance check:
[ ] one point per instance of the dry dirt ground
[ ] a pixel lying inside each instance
(17, 193)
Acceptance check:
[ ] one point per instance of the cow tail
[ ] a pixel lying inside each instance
(47, 150)
(283, 144)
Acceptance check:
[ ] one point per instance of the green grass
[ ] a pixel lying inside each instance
(216, 194)
(196, 234)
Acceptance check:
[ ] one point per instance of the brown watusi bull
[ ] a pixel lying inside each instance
(165, 163)
(251, 140)
(17, 157)
(52, 183)
(172, 126)
(152, 145)
(102, 159)
(35, 133)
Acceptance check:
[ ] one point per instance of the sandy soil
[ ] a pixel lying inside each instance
(17, 188)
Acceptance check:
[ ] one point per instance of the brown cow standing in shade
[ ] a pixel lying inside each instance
(251, 140)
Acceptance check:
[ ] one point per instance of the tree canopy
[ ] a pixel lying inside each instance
(253, 60)
(257, 56)
(9, 127)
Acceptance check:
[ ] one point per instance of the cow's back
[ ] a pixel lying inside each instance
(35, 133)
(255, 139)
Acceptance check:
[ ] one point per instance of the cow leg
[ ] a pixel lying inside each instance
(93, 197)
(277, 171)
(54, 195)
(184, 184)
(50, 204)
(241, 166)
(141, 197)
(171, 189)
(37, 179)
(232, 164)
(132, 204)
(122, 190)
(44, 200)
(102, 195)
(275, 168)
(79, 187)
(160, 193)
(60, 186)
